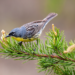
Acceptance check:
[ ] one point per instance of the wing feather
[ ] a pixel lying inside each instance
(33, 27)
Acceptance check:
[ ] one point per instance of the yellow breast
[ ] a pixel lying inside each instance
(24, 40)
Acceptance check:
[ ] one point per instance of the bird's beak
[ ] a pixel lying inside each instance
(7, 36)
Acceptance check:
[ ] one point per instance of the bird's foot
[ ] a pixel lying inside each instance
(20, 43)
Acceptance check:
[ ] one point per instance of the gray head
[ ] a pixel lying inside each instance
(17, 32)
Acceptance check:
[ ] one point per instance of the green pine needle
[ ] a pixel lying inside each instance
(50, 55)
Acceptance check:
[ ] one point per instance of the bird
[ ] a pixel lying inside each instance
(30, 31)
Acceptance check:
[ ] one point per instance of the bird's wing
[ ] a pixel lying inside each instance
(33, 27)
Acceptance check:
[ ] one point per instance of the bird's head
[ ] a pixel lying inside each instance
(14, 32)
(17, 32)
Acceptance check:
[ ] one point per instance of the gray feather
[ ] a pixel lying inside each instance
(36, 27)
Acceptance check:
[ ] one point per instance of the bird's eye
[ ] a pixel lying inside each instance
(12, 33)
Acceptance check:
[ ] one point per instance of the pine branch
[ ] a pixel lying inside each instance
(55, 55)
(44, 55)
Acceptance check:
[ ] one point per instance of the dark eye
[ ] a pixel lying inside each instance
(12, 33)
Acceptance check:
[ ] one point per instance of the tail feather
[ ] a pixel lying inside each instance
(49, 18)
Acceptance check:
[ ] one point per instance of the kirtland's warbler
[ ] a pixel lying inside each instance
(30, 31)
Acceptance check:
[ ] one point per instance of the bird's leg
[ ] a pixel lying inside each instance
(20, 43)
(36, 43)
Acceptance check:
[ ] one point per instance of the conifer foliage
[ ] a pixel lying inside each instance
(55, 55)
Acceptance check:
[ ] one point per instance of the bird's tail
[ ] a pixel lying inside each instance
(49, 18)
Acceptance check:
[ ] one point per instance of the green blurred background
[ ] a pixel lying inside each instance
(14, 13)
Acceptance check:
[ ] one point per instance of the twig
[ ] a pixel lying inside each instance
(52, 56)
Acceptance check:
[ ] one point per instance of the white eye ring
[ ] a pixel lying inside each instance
(13, 33)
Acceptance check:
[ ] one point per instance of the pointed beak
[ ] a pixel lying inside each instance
(7, 36)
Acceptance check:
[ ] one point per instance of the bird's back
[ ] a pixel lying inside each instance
(33, 27)
(36, 27)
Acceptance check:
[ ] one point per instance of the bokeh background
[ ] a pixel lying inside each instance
(14, 13)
